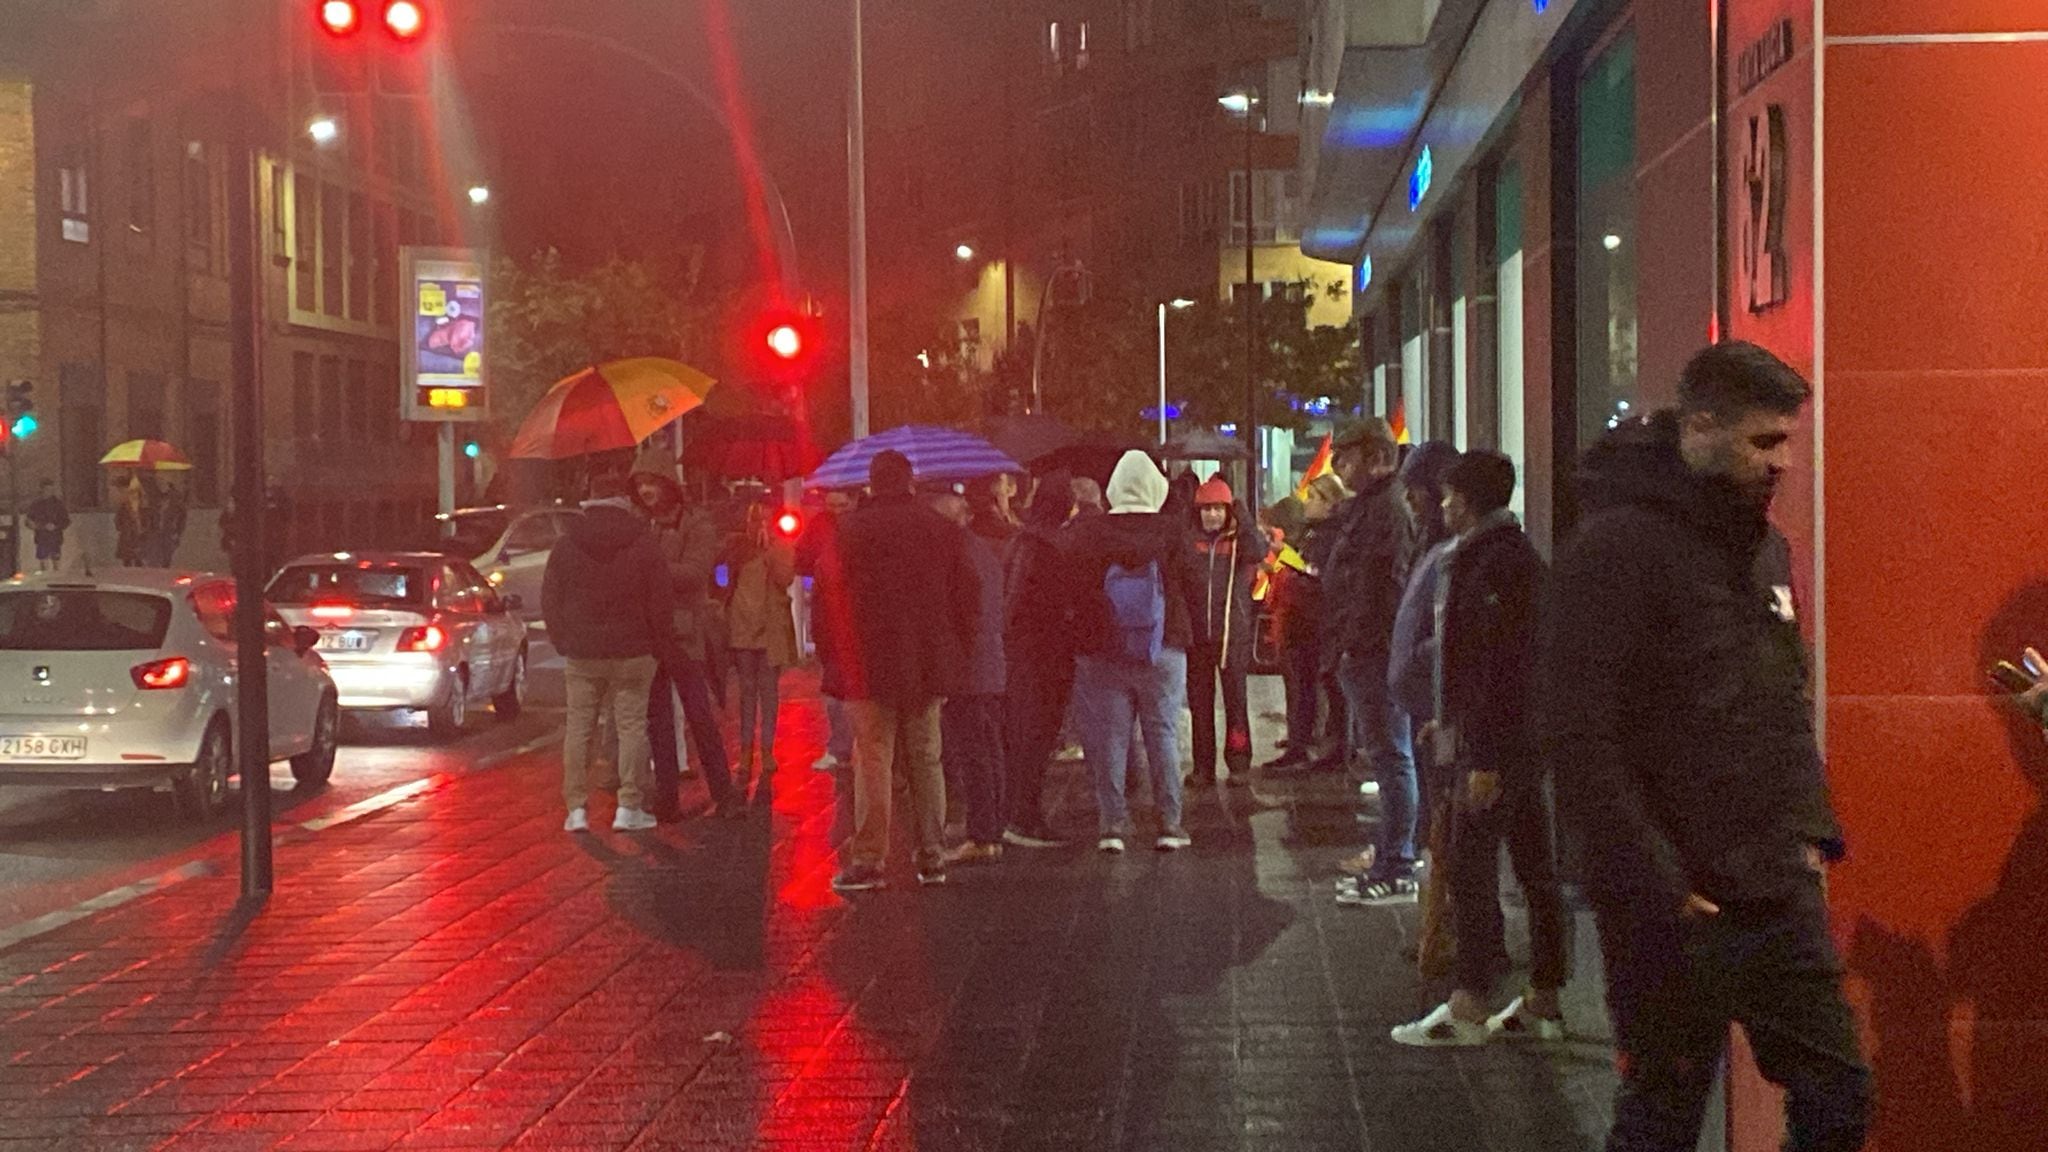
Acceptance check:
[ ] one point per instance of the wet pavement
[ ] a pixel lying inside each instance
(454, 971)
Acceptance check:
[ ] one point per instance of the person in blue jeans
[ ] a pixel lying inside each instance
(1363, 580)
(1136, 585)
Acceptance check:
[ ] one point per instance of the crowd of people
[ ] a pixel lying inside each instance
(1650, 688)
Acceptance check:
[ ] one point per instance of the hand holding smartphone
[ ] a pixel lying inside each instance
(2010, 677)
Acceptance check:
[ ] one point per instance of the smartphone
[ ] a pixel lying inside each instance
(2033, 665)
(2010, 677)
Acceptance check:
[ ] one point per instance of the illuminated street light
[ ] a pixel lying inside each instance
(964, 253)
(1183, 302)
(324, 130)
(1237, 103)
(479, 195)
(1612, 241)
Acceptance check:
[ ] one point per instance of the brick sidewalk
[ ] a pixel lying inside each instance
(457, 972)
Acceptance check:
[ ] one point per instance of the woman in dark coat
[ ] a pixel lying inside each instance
(1038, 647)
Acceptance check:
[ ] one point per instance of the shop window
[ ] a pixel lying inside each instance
(1511, 431)
(1607, 235)
(140, 160)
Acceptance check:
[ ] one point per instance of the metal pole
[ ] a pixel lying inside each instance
(444, 440)
(252, 679)
(857, 205)
(14, 499)
(1162, 374)
(1251, 319)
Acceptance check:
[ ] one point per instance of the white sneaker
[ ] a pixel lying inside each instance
(578, 821)
(1516, 1022)
(1369, 788)
(633, 820)
(1114, 845)
(1174, 839)
(1440, 1029)
(1071, 754)
(826, 763)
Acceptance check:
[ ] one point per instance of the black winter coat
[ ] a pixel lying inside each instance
(1366, 572)
(1037, 610)
(1487, 656)
(1229, 563)
(1675, 710)
(1132, 539)
(913, 602)
(605, 594)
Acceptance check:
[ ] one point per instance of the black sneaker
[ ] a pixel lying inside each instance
(1380, 893)
(859, 878)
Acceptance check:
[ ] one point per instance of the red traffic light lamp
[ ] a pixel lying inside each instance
(789, 523)
(786, 341)
(405, 19)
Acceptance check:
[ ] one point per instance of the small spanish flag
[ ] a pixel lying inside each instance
(1317, 468)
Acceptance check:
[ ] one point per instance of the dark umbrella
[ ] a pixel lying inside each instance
(1204, 444)
(1029, 439)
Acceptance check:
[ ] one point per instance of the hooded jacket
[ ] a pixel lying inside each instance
(1229, 563)
(688, 540)
(1134, 534)
(1486, 607)
(1673, 687)
(605, 593)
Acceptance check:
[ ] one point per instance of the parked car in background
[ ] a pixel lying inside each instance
(128, 681)
(509, 547)
(409, 631)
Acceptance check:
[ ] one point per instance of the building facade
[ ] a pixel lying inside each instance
(1551, 204)
(114, 119)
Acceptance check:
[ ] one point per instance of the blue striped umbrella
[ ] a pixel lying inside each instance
(937, 455)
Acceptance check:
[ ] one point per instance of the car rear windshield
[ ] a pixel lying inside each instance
(473, 533)
(82, 620)
(360, 582)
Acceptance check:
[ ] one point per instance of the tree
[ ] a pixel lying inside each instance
(548, 320)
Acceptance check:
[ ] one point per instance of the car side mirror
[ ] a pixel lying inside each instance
(305, 639)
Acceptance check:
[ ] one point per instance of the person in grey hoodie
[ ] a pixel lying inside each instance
(606, 601)
(971, 720)
(1137, 590)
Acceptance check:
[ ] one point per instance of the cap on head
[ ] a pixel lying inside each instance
(890, 474)
(1485, 479)
(1371, 433)
(1215, 490)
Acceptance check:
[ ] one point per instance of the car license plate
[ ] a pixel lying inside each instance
(347, 641)
(42, 747)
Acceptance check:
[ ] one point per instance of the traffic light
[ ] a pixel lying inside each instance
(786, 341)
(785, 346)
(21, 410)
(367, 43)
(473, 450)
(789, 523)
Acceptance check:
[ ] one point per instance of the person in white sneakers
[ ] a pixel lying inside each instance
(605, 598)
(1486, 608)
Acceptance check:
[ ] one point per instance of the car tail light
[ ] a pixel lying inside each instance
(332, 612)
(427, 639)
(175, 672)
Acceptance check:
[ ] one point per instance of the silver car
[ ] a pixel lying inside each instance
(409, 631)
(128, 681)
(510, 548)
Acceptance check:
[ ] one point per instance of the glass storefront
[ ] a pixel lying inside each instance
(1607, 238)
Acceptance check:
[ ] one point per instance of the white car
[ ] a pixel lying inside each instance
(510, 548)
(409, 631)
(128, 681)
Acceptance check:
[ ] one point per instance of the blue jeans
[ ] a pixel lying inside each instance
(1108, 695)
(1379, 732)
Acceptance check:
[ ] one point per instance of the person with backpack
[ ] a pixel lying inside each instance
(1230, 547)
(1136, 593)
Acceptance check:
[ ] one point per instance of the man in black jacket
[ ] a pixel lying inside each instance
(1367, 569)
(1484, 732)
(689, 549)
(913, 602)
(605, 598)
(1676, 717)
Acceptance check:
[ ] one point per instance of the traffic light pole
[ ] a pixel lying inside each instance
(857, 211)
(252, 679)
(444, 439)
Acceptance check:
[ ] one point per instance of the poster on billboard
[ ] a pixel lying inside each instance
(446, 363)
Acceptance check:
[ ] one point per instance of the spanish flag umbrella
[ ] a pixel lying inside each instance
(612, 406)
(146, 456)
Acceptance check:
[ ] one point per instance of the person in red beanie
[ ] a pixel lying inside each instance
(1229, 548)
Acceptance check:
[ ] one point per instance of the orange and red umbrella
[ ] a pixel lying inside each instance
(612, 406)
(146, 456)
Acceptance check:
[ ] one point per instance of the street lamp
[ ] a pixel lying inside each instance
(479, 194)
(1243, 102)
(963, 253)
(1177, 305)
(324, 130)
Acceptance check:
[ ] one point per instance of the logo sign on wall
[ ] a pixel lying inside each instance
(445, 365)
(1766, 270)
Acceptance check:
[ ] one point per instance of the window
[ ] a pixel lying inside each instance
(533, 534)
(359, 419)
(333, 248)
(82, 427)
(141, 172)
(360, 257)
(56, 620)
(357, 584)
(1276, 207)
(146, 405)
(1054, 50)
(1081, 46)
(332, 411)
(75, 201)
(280, 224)
(202, 440)
(305, 243)
(305, 397)
(1607, 241)
(198, 197)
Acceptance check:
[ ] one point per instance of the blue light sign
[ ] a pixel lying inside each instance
(1418, 183)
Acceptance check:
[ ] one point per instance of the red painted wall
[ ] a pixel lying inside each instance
(1936, 328)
